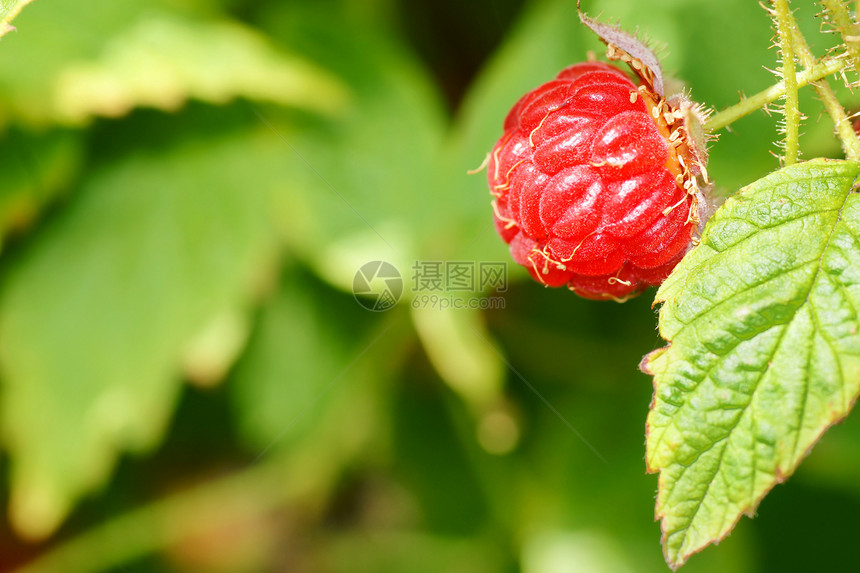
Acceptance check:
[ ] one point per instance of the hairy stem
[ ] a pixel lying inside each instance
(785, 27)
(746, 106)
(842, 125)
(837, 13)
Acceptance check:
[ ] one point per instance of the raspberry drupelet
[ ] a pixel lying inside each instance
(589, 190)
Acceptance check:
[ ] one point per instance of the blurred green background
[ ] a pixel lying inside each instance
(187, 189)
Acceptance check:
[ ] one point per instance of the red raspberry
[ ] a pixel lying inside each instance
(589, 192)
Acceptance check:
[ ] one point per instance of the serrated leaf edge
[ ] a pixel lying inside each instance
(677, 561)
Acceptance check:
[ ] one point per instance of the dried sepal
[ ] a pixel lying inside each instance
(679, 119)
(626, 48)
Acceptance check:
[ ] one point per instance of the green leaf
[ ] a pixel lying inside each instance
(316, 360)
(366, 180)
(296, 351)
(764, 349)
(163, 60)
(103, 309)
(122, 54)
(34, 169)
(8, 11)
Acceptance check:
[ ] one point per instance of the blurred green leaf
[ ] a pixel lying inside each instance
(763, 355)
(209, 355)
(123, 54)
(313, 381)
(8, 11)
(98, 312)
(296, 355)
(34, 168)
(162, 61)
(366, 181)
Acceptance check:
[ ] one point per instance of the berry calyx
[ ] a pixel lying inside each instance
(593, 183)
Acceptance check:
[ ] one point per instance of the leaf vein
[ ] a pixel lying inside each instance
(746, 289)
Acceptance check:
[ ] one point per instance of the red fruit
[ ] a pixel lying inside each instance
(589, 191)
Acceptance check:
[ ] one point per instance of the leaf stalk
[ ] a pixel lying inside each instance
(841, 123)
(826, 67)
(786, 27)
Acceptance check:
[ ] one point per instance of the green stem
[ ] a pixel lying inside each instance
(838, 15)
(746, 106)
(785, 25)
(842, 125)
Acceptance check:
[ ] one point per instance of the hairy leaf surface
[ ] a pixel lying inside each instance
(764, 350)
